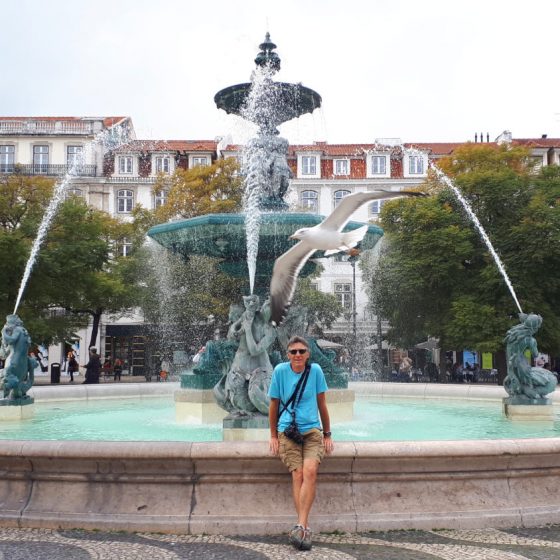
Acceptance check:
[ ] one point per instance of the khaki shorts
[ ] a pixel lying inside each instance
(293, 455)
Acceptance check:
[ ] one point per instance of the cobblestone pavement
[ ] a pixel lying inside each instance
(540, 543)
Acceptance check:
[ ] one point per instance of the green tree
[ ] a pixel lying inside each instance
(436, 276)
(205, 189)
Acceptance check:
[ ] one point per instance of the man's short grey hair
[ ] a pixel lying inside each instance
(298, 339)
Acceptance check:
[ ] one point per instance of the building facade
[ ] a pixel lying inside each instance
(115, 172)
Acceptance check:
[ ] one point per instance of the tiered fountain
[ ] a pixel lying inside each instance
(238, 372)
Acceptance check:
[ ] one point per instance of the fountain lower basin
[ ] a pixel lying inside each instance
(189, 487)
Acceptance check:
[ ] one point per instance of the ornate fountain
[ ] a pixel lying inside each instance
(238, 370)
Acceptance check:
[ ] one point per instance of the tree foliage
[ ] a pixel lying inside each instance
(204, 189)
(74, 275)
(436, 276)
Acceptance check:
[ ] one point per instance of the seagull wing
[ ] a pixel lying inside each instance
(284, 278)
(349, 204)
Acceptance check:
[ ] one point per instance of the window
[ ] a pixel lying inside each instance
(125, 200)
(341, 167)
(378, 165)
(375, 206)
(196, 161)
(309, 165)
(74, 192)
(310, 201)
(416, 165)
(159, 198)
(74, 156)
(40, 159)
(163, 165)
(124, 248)
(338, 196)
(7, 159)
(125, 164)
(343, 293)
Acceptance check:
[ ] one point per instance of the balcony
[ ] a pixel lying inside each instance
(128, 180)
(46, 127)
(49, 170)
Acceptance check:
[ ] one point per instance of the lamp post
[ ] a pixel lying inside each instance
(352, 259)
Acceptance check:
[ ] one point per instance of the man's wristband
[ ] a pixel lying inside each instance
(327, 434)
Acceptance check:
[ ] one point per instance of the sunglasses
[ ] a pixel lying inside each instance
(297, 351)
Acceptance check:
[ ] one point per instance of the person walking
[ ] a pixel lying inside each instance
(297, 399)
(93, 367)
(117, 369)
(73, 366)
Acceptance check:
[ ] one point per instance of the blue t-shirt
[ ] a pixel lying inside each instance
(282, 386)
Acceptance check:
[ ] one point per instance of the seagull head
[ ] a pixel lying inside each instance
(299, 234)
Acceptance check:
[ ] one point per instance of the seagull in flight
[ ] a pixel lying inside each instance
(326, 236)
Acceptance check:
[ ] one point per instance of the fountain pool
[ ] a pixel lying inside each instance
(226, 487)
(375, 419)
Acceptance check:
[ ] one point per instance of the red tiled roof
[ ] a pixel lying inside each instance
(537, 142)
(169, 146)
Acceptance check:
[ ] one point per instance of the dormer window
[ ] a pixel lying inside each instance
(378, 165)
(197, 161)
(341, 167)
(308, 166)
(125, 164)
(163, 164)
(416, 165)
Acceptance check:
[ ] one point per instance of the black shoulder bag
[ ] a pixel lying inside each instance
(292, 431)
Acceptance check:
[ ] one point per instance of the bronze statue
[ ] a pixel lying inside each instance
(18, 374)
(243, 390)
(525, 383)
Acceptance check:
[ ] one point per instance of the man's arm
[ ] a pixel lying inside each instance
(273, 421)
(325, 422)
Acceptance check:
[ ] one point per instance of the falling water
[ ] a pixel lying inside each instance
(443, 177)
(106, 138)
(257, 109)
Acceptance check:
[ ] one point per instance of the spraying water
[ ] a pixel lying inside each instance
(106, 138)
(445, 179)
(258, 107)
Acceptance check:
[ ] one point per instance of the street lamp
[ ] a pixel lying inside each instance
(352, 259)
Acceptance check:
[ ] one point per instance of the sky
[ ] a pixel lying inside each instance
(421, 71)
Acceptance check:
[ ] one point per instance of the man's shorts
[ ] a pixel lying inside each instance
(293, 455)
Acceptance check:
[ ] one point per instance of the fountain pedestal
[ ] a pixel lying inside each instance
(16, 409)
(528, 410)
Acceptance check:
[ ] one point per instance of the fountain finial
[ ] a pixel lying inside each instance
(266, 57)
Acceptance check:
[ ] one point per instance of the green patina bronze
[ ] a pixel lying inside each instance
(525, 384)
(18, 374)
(239, 368)
(223, 236)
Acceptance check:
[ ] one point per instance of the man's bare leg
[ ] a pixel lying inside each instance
(306, 494)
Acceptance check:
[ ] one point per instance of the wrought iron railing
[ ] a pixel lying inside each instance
(149, 180)
(49, 170)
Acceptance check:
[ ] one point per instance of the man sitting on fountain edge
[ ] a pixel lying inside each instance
(300, 399)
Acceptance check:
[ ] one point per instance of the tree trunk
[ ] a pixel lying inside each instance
(501, 366)
(95, 328)
(442, 366)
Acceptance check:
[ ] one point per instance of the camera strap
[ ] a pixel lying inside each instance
(295, 398)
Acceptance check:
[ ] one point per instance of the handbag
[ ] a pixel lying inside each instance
(292, 431)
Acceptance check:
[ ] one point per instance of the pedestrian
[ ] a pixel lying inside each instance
(117, 369)
(297, 398)
(164, 370)
(93, 367)
(73, 366)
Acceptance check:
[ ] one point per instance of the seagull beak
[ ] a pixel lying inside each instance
(292, 237)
